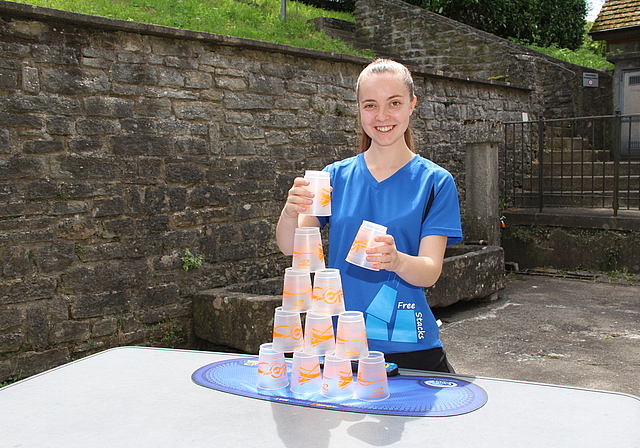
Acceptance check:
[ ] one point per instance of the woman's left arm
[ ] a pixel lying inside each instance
(421, 270)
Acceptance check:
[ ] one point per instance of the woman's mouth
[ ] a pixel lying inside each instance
(384, 128)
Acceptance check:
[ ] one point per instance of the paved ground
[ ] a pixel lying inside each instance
(573, 332)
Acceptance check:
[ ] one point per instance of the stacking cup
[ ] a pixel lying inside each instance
(327, 292)
(308, 254)
(351, 336)
(337, 379)
(364, 240)
(287, 331)
(319, 337)
(372, 383)
(320, 186)
(272, 370)
(306, 377)
(296, 291)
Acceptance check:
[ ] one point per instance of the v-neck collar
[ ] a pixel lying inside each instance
(371, 179)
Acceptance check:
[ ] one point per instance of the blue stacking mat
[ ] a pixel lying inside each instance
(422, 396)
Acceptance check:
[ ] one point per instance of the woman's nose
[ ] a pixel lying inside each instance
(382, 114)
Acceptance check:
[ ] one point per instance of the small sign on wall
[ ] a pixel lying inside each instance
(589, 80)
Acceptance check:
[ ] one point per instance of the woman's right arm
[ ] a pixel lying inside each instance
(298, 199)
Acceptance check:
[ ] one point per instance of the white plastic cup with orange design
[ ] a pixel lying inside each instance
(328, 297)
(351, 336)
(296, 291)
(365, 239)
(308, 253)
(319, 337)
(337, 378)
(272, 369)
(306, 377)
(320, 186)
(287, 331)
(372, 383)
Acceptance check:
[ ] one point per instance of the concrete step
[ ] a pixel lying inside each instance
(589, 169)
(566, 199)
(563, 143)
(568, 155)
(579, 184)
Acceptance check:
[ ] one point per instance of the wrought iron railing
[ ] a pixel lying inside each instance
(586, 162)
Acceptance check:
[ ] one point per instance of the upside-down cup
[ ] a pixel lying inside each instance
(296, 291)
(308, 253)
(319, 338)
(337, 378)
(320, 186)
(306, 377)
(365, 240)
(372, 383)
(351, 336)
(287, 331)
(327, 295)
(272, 370)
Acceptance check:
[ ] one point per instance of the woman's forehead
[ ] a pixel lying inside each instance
(382, 86)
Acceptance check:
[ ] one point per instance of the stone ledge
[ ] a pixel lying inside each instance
(241, 315)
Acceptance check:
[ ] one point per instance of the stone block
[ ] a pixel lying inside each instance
(54, 257)
(100, 304)
(70, 331)
(208, 196)
(15, 261)
(137, 74)
(21, 167)
(184, 173)
(85, 145)
(10, 318)
(8, 80)
(469, 272)
(30, 363)
(109, 206)
(142, 144)
(240, 316)
(11, 342)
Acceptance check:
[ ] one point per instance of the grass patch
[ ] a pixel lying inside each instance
(259, 20)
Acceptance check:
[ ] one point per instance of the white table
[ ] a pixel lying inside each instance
(144, 397)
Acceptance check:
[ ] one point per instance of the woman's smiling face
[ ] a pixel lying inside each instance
(385, 105)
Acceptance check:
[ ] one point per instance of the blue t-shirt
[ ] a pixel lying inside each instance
(420, 199)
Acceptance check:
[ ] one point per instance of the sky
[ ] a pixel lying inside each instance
(593, 6)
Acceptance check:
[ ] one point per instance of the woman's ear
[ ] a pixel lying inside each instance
(413, 104)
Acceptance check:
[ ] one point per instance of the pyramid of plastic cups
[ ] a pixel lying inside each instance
(327, 292)
(308, 253)
(296, 291)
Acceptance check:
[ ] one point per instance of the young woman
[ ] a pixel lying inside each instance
(389, 184)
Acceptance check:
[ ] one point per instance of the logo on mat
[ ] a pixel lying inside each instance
(434, 382)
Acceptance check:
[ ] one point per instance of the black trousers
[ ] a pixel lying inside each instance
(434, 359)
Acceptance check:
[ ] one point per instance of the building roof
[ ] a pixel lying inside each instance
(617, 14)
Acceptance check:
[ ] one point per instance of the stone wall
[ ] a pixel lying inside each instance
(124, 144)
(439, 44)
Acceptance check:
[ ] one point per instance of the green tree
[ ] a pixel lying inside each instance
(539, 22)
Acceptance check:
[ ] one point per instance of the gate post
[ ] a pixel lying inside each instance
(482, 220)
